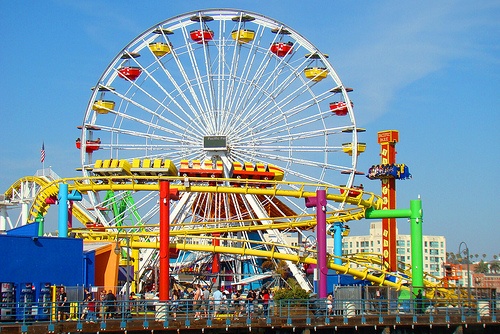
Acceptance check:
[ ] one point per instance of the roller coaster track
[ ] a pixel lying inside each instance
(362, 266)
(145, 183)
(36, 190)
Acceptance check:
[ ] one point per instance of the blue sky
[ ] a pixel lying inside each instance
(430, 69)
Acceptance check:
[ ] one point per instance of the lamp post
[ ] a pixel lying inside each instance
(466, 252)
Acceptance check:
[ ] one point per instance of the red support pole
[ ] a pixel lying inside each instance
(164, 240)
(216, 259)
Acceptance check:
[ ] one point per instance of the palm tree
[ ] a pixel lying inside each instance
(494, 266)
(482, 268)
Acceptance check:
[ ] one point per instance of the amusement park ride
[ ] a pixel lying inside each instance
(244, 118)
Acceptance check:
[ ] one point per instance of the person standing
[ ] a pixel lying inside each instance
(251, 298)
(217, 299)
(205, 295)
(110, 305)
(62, 304)
(265, 301)
(84, 306)
(329, 305)
(91, 315)
(175, 303)
(197, 298)
(420, 304)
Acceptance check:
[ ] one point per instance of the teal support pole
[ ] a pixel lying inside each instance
(63, 197)
(415, 214)
(337, 242)
(417, 252)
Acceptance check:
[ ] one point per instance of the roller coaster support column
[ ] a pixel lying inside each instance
(320, 203)
(166, 194)
(415, 214)
(164, 240)
(338, 228)
(63, 197)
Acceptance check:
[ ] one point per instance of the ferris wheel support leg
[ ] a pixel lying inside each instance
(164, 240)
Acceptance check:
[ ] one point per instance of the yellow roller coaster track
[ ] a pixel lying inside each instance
(362, 266)
(201, 185)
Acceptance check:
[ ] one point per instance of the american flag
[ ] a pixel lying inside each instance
(42, 153)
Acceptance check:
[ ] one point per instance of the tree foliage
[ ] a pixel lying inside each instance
(293, 292)
(482, 268)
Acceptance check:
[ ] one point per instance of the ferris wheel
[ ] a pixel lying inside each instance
(232, 90)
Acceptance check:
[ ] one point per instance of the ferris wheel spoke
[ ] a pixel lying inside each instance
(140, 120)
(236, 89)
(147, 125)
(178, 112)
(278, 109)
(191, 88)
(198, 77)
(177, 140)
(265, 89)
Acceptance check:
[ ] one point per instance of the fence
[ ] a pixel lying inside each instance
(188, 310)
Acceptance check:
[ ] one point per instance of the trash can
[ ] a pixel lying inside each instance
(160, 311)
(483, 308)
(349, 309)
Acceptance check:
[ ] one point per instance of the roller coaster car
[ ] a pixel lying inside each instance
(95, 226)
(339, 108)
(196, 169)
(51, 200)
(156, 167)
(92, 145)
(392, 171)
(352, 192)
(258, 172)
(111, 167)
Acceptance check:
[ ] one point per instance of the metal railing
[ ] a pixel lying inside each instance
(189, 311)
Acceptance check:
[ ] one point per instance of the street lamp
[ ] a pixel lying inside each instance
(466, 250)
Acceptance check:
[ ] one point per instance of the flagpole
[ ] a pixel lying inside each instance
(42, 156)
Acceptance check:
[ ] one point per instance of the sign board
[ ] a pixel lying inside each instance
(215, 143)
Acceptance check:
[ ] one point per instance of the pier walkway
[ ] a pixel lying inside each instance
(286, 317)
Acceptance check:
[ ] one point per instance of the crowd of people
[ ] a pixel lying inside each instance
(214, 302)
(90, 309)
(200, 301)
(203, 301)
